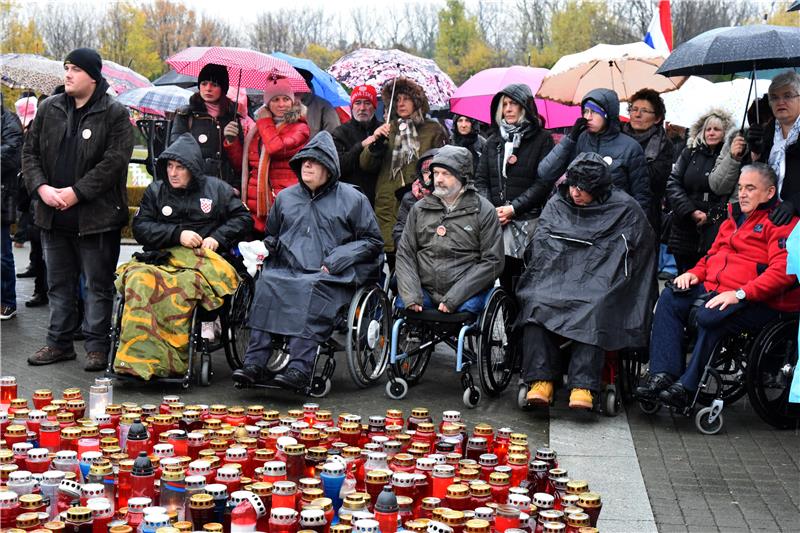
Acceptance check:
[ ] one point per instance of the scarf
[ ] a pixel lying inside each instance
(512, 135)
(419, 190)
(213, 109)
(263, 189)
(650, 139)
(777, 156)
(406, 147)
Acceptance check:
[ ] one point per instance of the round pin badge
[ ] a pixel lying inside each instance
(166, 210)
(512, 159)
(87, 133)
(202, 138)
(441, 231)
(403, 126)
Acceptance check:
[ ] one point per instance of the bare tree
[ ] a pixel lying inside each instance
(65, 27)
(531, 29)
(422, 21)
(364, 26)
(395, 28)
(270, 32)
(692, 17)
(171, 25)
(213, 32)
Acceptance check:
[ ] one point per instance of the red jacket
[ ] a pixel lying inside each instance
(750, 253)
(281, 145)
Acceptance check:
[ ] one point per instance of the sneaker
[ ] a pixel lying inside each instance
(580, 399)
(37, 300)
(541, 393)
(247, 375)
(292, 379)
(7, 312)
(95, 361)
(675, 396)
(655, 384)
(47, 355)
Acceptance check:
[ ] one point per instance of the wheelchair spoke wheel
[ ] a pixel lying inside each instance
(496, 350)
(236, 328)
(770, 368)
(729, 359)
(410, 338)
(367, 336)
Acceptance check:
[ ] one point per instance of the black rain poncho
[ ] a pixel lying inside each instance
(334, 227)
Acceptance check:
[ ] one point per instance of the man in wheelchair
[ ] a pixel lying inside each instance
(740, 284)
(323, 242)
(590, 279)
(451, 249)
(182, 221)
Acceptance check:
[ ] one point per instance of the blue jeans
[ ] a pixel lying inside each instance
(8, 284)
(667, 352)
(666, 261)
(473, 305)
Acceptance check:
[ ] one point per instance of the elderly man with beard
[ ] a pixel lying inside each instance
(353, 136)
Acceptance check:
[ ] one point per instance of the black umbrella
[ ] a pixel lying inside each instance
(736, 49)
(173, 78)
(795, 6)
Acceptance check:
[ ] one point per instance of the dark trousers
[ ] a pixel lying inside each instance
(303, 351)
(67, 256)
(8, 276)
(541, 360)
(667, 350)
(36, 258)
(510, 276)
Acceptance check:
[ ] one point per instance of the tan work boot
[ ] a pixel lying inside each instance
(580, 399)
(541, 393)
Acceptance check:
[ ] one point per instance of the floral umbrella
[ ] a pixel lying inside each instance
(368, 66)
(31, 71)
(123, 79)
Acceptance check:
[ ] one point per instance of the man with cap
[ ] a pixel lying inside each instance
(323, 242)
(212, 119)
(589, 280)
(598, 130)
(355, 134)
(75, 160)
(451, 250)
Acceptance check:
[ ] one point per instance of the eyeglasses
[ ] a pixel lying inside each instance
(634, 110)
(774, 98)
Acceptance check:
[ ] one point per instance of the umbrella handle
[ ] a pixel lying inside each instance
(391, 102)
(749, 92)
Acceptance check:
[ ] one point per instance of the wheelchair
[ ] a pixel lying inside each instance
(199, 363)
(484, 340)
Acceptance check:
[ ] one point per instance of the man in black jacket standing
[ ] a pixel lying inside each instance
(75, 158)
(351, 137)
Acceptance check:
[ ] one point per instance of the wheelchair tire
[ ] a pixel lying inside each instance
(236, 329)
(770, 367)
(320, 387)
(611, 402)
(705, 425)
(412, 368)
(367, 339)
(397, 390)
(471, 397)
(522, 397)
(116, 331)
(204, 376)
(648, 407)
(496, 351)
(729, 359)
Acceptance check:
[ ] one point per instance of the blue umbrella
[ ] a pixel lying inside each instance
(324, 85)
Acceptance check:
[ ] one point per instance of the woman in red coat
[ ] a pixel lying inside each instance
(280, 132)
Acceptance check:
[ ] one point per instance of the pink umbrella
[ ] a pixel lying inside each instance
(475, 95)
(122, 78)
(246, 68)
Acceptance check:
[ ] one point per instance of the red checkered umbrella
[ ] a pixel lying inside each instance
(246, 68)
(122, 78)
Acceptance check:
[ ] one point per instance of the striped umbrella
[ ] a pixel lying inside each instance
(123, 79)
(156, 100)
(246, 68)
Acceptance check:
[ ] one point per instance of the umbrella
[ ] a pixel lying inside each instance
(156, 100)
(624, 68)
(31, 71)
(173, 78)
(324, 85)
(246, 68)
(368, 66)
(474, 97)
(123, 79)
(736, 49)
(795, 6)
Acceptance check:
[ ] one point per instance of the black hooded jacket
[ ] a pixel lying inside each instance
(523, 187)
(473, 141)
(208, 206)
(11, 138)
(348, 138)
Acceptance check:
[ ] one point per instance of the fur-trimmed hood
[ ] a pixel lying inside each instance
(413, 90)
(696, 130)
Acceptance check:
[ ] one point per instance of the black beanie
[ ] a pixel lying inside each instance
(216, 73)
(88, 60)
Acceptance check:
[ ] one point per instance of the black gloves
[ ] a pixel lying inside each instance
(755, 138)
(271, 244)
(782, 214)
(577, 128)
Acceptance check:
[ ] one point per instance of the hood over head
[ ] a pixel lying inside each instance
(521, 94)
(696, 130)
(457, 160)
(186, 151)
(590, 172)
(410, 88)
(609, 102)
(321, 149)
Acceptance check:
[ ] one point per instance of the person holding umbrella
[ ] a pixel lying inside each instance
(209, 117)
(395, 147)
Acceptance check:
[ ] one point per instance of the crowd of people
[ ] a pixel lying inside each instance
(570, 229)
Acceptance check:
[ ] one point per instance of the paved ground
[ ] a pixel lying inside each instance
(657, 473)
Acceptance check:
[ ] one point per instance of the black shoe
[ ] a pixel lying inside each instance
(292, 379)
(27, 273)
(666, 276)
(675, 396)
(655, 384)
(37, 300)
(95, 361)
(247, 375)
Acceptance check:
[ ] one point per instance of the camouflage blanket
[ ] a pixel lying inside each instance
(159, 300)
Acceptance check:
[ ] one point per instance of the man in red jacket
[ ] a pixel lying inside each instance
(742, 280)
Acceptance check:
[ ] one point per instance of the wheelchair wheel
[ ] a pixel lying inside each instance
(237, 331)
(397, 389)
(471, 397)
(320, 387)
(116, 330)
(496, 351)
(367, 336)
(410, 338)
(522, 397)
(704, 423)
(729, 360)
(770, 368)
(649, 407)
(204, 376)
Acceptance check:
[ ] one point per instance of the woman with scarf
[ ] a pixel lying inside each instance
(507, 173)
(280, 132)
(395, 147)
(466, 135)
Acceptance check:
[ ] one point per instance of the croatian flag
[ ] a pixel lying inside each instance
(659, 33)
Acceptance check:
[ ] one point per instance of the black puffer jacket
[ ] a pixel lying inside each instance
(207, 131)
(473, 141)
(11, 137)
(208, 206)
(101, 164)
(523, 187)
(348, 138)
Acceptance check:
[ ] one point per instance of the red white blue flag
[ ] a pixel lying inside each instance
(659, 33)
